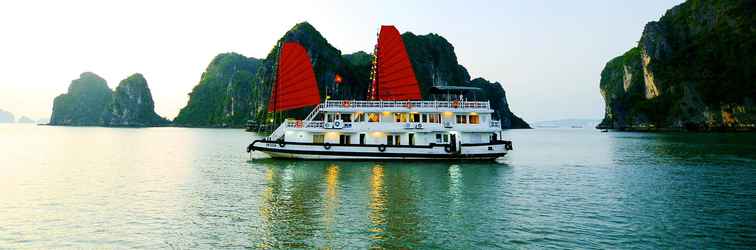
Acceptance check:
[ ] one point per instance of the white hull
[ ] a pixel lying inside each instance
(486, 151)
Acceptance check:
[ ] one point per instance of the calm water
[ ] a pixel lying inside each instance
(196, 188)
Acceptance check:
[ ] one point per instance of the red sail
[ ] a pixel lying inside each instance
(295, 85)
(395, 78)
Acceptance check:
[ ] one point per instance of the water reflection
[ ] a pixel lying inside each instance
(315, 204)
(377, 203)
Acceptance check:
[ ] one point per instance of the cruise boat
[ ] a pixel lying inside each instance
(393, 124)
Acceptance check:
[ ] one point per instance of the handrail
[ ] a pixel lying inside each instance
(279, 131)
(495, 124)
(405, 104)
(313, 113)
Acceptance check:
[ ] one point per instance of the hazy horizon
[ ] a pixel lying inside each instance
(547, 55)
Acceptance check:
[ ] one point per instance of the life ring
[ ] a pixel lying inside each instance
(327, 145)
(345, 103)
(281, 143)
(382, 147)
(408, 105)
(447, 148)
(299, 124)
(455, 104)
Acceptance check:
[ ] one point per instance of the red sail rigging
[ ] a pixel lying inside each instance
(394, 78)
(295, 85)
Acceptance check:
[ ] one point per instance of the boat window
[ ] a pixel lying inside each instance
(329, 117)
(359, 117)
(461, 119)
(362, 139)
(438, 138)
(389, 140)
(345, 139)
(397, 140)
(318, 138)
(374, 117)
(434, 118)
(346, 117)
(412, 139)
(446, 138)
(415, 117)
(424, 118)
(474, 119)
(401, 117)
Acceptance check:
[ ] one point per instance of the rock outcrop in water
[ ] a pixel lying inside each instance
(432, 58)
(132, 104)
(25, 119)
(692, 70)
(90, 102)
(85, 104)
(222, 97)
(6, 117)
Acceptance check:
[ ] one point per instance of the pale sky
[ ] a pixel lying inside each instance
(548, 55)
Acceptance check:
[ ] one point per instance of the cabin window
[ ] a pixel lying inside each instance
(374, 117)
(393, 140)
(329, 117)
(345, 139)
(446, 138)
(362, 139)
(424, 118)
(461, 119)
(438, 138)
(434, 118)
(412, 139)
(474, 119)
(318, 138)
(359, 117)
(346, 117)
(415, 117)
(401, 117)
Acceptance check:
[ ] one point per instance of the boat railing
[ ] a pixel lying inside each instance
(304, 124)
(406, 104)
(495, 124)
(313, 113)
(278, 132)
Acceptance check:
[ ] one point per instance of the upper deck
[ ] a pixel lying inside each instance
(380, 106)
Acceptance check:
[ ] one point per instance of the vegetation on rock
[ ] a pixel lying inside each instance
(90, 102)
(693, 69)
(432, 57)
(222, 97)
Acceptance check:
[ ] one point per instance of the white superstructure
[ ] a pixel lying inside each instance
(345, 129)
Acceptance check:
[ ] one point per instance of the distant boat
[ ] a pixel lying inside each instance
(393, 124)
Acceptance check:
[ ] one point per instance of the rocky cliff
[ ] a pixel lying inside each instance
(132, 104)
(435, 64)
(85, 104)
(90, 102)
(327, 61)
(6, 117)
(222, 97)
(432, 58)
(692, 70)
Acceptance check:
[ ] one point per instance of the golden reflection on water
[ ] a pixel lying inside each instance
(332, 198)
(377, 202)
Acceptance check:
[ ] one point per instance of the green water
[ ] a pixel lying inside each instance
(68, 187)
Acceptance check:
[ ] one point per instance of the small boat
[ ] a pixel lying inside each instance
(394, 124)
